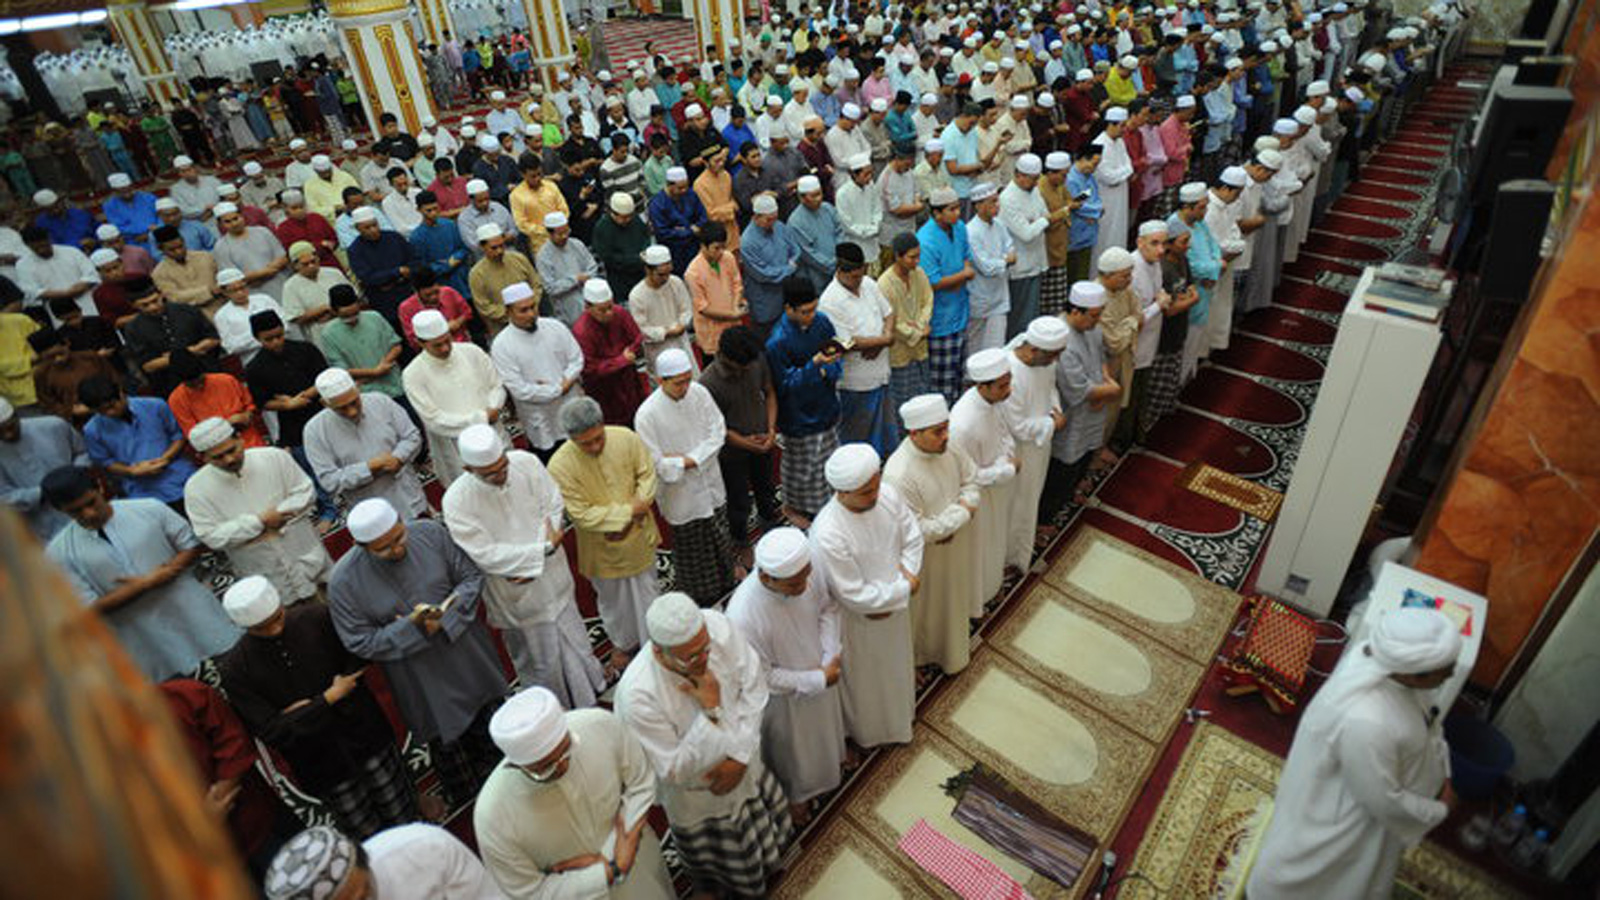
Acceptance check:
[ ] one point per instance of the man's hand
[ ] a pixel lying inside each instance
(629, 355)
(725, 776)
(705, 689)
(831, 670)
(641, 507)
(627, 845)
(272, 519)
(342, 686)
(911, 578)
(578, 862)
(688, 462)
(221, 796)
(493, 414)
(1059, 418)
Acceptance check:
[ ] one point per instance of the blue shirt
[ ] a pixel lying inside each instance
(1085, 229)
(961, 149)
(149, 430)
(70, 229)
(817, 232)
(900, 126)
(672, 219)
(769, 258)
(134, 218)
(436, 245)
(195, 237)
(828, 106)
(945, 253)
(808, 394)
(1205, 264)
(1219, 118)
(737, 136)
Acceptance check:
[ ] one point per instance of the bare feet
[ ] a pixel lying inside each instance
(800, 813)
(433, 807)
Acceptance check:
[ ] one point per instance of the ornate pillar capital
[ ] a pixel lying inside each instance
(381, 45)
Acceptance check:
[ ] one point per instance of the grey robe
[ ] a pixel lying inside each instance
(45, 443)
(1080, 368)
(256, 250)
(339, 449)
(559, 268)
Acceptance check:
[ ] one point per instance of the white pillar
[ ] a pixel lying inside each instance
(716, 24)
(435, 18)
(381, 46)
(138, 32)
(552, 42)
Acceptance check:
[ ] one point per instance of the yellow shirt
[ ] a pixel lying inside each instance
(16, 359)
(1119, 89)
(599, 492)
(488, 278)
(323, 196)
(528, 209)
(912, 304)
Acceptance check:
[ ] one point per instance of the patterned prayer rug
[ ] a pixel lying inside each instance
(1231, 490)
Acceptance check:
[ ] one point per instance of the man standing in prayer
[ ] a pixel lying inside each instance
(500, 268)
(661, 306)
(815, 227)
(947, 261)
(1033, 411)
(506, 514)
(783, 609)
(1026, 216)
(1367, 774)
(362, 445)
(939, 485)
(992, 250)
(1113, 175)
(255, 505)
(1156, 305)
(407, 597)
(905, 285)
(565, 266)
(1088, 390)
(609, 482)
(451, 385)
(1122, 324)
(129, 561)
(611, 344)
(360, 341)
(1205, 269)
(299, 690)
(871, 549)
(978, 428)
(804, 358)
(251, 249)
(696, 703)
(863, 323)
(684, 430)
(30, 448)
(770, 253)
(408, 862)
(565, 813)
(135, 439)
(539, 363)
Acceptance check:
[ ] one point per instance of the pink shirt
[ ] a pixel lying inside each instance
(450, 303)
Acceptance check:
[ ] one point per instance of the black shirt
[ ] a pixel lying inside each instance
(288, 372)
(402, 146)
(94, 334)
(1174, 329)
(179, 325)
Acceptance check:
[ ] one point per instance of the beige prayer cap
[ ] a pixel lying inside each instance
(333, 383)
(783, 552)
(210, 433)
(480, 445)
(851, 466)
(1115, 259)
(371, 519)
(924, 411)
(622, 204)
(251, 601)
(301, 248)
(674, 619)
(529, 726)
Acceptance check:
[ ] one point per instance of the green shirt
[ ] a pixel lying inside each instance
(348, 94)
(655, 173)
(363, 347)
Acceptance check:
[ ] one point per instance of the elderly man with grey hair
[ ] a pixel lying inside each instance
(608, 479)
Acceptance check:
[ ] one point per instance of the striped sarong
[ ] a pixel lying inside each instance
(805, 484)
(736, 854)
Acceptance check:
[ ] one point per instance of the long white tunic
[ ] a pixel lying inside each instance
(682, 743)
(339, 450)
(860, 215)
(1223, 221)
(424, 862)
(525, 827)
(978, 429)
(533, 365)
(450, 395)
(655, 310)
(1026, 217)
(224, 510)
(1027, 412)
(859, 315)
(673, 429)
(863, 554)
(935, 486)
(803, 732)
(1113, 174)
(232, 322)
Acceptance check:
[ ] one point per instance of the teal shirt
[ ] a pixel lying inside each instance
(362, 347)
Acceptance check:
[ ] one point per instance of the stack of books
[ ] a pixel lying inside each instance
(1415, 292)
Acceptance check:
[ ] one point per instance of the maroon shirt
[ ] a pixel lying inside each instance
(224, 750)
(313, 229)
(609, 377)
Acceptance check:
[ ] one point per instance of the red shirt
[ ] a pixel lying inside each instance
(314, 230)
(223, 750)
(451, 304)
(453, 196)
(610, 378)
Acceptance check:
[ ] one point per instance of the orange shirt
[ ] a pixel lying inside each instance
(719, 289)
(221, 395)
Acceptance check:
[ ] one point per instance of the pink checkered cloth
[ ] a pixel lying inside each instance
(963, 871)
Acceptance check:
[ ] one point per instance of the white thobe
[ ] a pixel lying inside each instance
(655, 310)
(935, 486)
(843, 144)
(66, 267)
(1026, 217)
(425, 862)
(232, 322)
(1146, 286)
(859, 315)
(297, 173)
(639, 102)
(224, 509)
(532, 365)
(863, 554)
(860, 215)
(673, 429)
(1223, 221)
(1027, 412)
(681, 741)
(524, 827)
(506, 529)
(450, 395)
(196, 199)
(803, 731)
(978, 428)
(1297, 161)
(340, 449)
(1113, 174)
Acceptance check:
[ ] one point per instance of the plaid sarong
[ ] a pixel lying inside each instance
(907, 381)
(737, 853)
(465, 762)
(1054, 289)
(702, 558)
(866, 417)
(1162, 396)
(805, 485)
(945, 356)
(381, 795)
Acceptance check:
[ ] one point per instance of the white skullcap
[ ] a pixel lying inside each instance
(1058, 161)
(1317, 89)
(783, 552)
(1115, 259)
(851, 111)
(227, 189)
(622, 204)
(364, 214)
(182, 162)
(488, 144)
(677, 174)
(497, 95)
(659, 255)
(488, 231)
(674, 619)
(1233, 62)
(596, 291)
(321, 163)
(251, 601)
(229, 276)
(933, 146)
(1152, 226)
(852, 466)
(1285, 127)
(1047, 333)
(107, 232)
(429, 121)
(693, 111)
(1007, 62)
(166, 203)
(1029, 164)
(297, 144)
(991, 68)
(924, 411)
(45, 197)
(477, 186)
(1129, 62)
(210, 433)
(1234, 176)
(119, 180)
(671, 362)
(479, 445)
(782, 69)
(1021, 101)
(1045, 100)
(764, 205)
(554, 220)
(1084, 75)
(1269, 47)
(808, 184)
(1088, 294)
(1272, 159)
(1117, 114)
(532, 129)
(1306, 115)
(1186, 102)
(349, 144)
(774, 100)
(371, 519)
(430, 324)
(425, 139)
(516, 293)
(333, 383)
(981, 191)
(1192, 192)
(529, 726)
(929, 99)
(1354, 95)
(105, 256)
(225, 209)
(467, 131)
(988, 364)
(1374, 62)
(1413, 641)
(880, 105)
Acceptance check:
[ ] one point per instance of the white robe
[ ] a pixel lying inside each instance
(450, 395)
(224, 510)
(935, 486)
(506, 530)
(655, 310)
(978, 428)
(1027, 412)
(1113, 174)
(682, 743)
(425, 862)
(673, 429)
(524, 827)
(1223, 221)
(863, 554)
(803, 731)
(532, 365)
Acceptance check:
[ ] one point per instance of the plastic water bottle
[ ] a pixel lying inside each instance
(1529, 852)
(1475, 833)
(1510, 828)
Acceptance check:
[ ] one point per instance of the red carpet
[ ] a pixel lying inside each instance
(1363, 207)
(1391, 176)
(1389, 160)
(1190, 437)
(1416, 151)
(1333, 245)
(1288, 325)
(1355, 226)
(1426, 137)
(1145, 487)
(1258, 357)
(1369, 191)
(1310, 266)
(1227, 394)
(1301, 295)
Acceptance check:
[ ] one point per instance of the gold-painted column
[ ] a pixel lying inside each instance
(381, 47)
(552, 43)
(717, 23)
(435, 18)
(138, 32)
